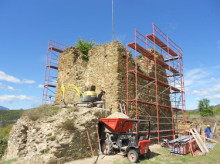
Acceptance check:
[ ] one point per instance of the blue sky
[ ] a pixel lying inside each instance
(26, 26)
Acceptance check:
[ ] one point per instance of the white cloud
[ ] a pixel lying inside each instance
(215, 98)
(214, 79)
(12, 79)
(8, 78)
(195, 76)
(40, 86)
(6, 87)
(207, 91)
(11, 88)
(28, 81)
(11, 98)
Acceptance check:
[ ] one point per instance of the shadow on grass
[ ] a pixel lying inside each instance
(153, 154)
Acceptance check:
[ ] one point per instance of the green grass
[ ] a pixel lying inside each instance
(162, 156)
(4, 135)
(8, 161)
(43, 111)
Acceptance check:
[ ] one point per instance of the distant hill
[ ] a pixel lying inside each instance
(9, 117)
(216, 106)
(3, 108)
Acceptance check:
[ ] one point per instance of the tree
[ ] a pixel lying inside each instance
(204, 108)
(84, 46)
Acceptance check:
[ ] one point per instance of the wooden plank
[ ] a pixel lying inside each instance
(199, 141)
(209, 139)
(214, 129)
(199, 137)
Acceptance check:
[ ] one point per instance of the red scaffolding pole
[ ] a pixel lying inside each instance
(171, 62)
(50, 77)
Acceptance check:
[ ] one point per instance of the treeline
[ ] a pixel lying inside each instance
(205, 109)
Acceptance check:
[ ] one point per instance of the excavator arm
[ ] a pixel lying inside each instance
(63, 89)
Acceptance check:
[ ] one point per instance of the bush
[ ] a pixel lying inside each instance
(204, 108)
(84, 46)
(68, 125)
(217, 110)
(42, 112)
(52, 138)
(4, 135)
(45, 151)
(140, 56)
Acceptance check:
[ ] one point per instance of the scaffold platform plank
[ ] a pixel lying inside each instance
(150, 56)
(51, 66)
(49, 85)
(172, 59)
(161, 44)
(55, 49)
(152, 79)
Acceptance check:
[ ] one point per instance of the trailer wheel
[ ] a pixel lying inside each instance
(107, 147)
(133, 156)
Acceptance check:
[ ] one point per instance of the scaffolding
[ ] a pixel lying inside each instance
(50, 78)
(161, 97)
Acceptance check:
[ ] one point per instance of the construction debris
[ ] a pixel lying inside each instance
(118, 115)
(210, 145)
(182, 145)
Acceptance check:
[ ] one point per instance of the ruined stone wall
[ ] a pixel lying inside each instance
(106, 69)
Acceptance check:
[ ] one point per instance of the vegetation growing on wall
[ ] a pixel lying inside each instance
(84, 46)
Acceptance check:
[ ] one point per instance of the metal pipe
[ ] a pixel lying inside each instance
(112, 20)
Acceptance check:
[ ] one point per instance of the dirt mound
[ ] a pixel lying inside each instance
(118, 115)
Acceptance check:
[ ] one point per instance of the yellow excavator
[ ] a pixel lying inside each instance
(88, 98)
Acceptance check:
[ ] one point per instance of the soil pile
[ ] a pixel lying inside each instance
(118, 115)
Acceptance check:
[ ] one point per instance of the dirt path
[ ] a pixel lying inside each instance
(102, 159)
(109, 159)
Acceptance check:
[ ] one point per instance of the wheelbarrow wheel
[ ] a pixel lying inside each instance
(107, 147)
(133, 156)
